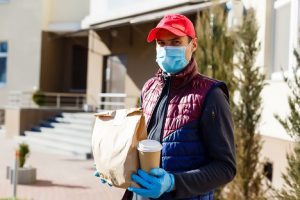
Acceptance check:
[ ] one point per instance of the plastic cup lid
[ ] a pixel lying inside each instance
(149, 146)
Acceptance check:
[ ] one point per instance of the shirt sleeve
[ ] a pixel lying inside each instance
(217, 128)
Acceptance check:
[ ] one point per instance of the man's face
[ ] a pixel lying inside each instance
(166, 38)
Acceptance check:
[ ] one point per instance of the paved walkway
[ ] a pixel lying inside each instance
(58, 177)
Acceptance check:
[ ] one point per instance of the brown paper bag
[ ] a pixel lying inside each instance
(114, 142)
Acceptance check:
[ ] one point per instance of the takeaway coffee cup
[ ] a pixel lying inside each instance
(149, 154)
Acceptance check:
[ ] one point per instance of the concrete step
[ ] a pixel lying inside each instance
(87, 122)
(72, 133)
(87, 116)
(40, 144)
(72, 126)
(78, 143)
(68, 134)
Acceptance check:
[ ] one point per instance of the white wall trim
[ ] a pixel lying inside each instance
(293, 43)
(64, 26)
(279, 3)
(278, 76)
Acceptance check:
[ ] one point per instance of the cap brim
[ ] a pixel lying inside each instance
(153, 32)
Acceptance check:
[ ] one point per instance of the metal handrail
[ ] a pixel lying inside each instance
(59, 96)
(108, 101)
(123, 95)
(24, 99)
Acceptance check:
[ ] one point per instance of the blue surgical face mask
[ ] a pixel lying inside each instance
(171, 59)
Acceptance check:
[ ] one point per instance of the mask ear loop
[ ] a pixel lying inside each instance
(191, 42)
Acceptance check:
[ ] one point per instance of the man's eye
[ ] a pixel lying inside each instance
(176, 42)
(161, 43)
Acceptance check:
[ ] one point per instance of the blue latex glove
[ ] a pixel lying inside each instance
(154, 184)
(102, 180)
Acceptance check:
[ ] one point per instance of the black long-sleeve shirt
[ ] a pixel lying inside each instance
(217, 126)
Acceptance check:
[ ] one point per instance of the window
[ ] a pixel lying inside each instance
(4, 1)
(268, 170)
(285, 36)
(282, 33)
(3, 62)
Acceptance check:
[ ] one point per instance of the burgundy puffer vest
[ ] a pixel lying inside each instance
(186, 97)
(183, 148)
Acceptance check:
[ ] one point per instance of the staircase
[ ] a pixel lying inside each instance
(68, 134)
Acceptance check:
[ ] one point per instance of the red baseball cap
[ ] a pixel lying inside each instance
(177, 24)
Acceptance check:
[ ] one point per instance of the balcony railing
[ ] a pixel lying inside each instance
(112, 101)
(106, 101)
(51, 100)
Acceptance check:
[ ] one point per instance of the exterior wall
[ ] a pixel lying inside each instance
(103, 10)
(28, 19)
(260, 9)
(20, 24)
(275, 101)
(64, 16)
(275, 36)
(56, 61)
(141, 65)
(18, 120)
(274, 151)
(275, 93)
(52, 63)
(69, 10)
(278, 33)
(96, 51)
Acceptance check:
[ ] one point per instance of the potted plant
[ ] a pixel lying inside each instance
(26, 175)
(39, 98)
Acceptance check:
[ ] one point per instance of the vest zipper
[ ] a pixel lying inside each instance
(165, 111)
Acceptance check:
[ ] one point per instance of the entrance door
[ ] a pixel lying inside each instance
(79, 69)
(114, 77)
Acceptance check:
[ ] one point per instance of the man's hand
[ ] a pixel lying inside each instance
(102, 180)
(154, 184)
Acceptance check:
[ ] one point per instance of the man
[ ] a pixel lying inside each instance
(190, 115)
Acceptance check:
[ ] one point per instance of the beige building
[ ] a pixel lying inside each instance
(34, 57)
(27, 29)
(99, 46)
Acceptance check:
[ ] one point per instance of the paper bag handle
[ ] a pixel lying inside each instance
(112, 113)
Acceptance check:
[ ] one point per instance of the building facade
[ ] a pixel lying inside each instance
(27, 28)
(99, 46)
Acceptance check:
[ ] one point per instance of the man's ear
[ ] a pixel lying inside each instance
(194, 44)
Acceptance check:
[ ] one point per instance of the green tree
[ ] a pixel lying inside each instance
(249, 183)
(215, 51)
(215, 46)
(291, 188)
